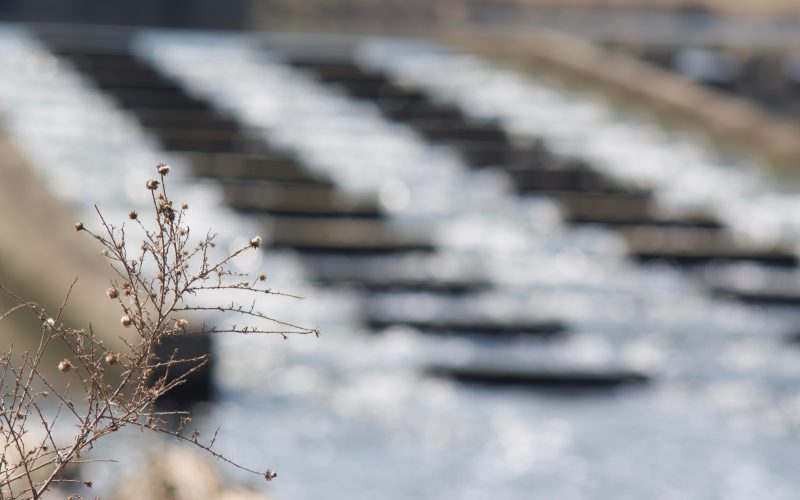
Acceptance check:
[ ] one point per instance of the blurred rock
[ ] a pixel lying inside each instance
(179, 473)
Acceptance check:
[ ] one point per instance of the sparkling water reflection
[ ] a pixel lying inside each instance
(352, 415)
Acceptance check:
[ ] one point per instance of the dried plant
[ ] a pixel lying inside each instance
(96, 390)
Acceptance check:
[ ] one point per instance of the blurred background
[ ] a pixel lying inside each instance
(552, 246)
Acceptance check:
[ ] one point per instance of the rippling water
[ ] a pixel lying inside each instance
(351, 415)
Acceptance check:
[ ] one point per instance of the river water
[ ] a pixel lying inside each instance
(351, 414)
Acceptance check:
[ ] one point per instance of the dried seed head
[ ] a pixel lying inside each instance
(255, 242)
(181, 324)
(112, 293)
(79, 226)
(185, 206)
(133, 215)
(262, 277)
(165, 207)
(152, 184)
(49, 323)
(125, 321)
(65, 365)
(112, 358)
(163, 168)
(270, 474)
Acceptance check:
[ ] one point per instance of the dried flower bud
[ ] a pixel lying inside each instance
(133, 215)
(125, 321)
(181, 324)
(262, 277)
(65, 365)
(163, 168)
(152, 184)
(79, 226)
(255, 242)
(112, 358)
(270, 474)
(185, 206)
(112, 293)
(165, 207)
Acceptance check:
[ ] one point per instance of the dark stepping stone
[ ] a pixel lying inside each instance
(482, 153)
(274, 168)
(343, 236)
(130, 80)
(558, 181)
(297, 200)
(551, 380)
(334, 69)
(411, 273)
(161, 99)
(459, 130)
(198, 386)
(760, 296)
(619, 209)
(188, 120)
(544, 329)
(404, 111)
(189, 133)
(699, 246)
(190, 143)
(379, 285)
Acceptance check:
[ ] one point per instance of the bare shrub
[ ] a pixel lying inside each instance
(96, 390)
